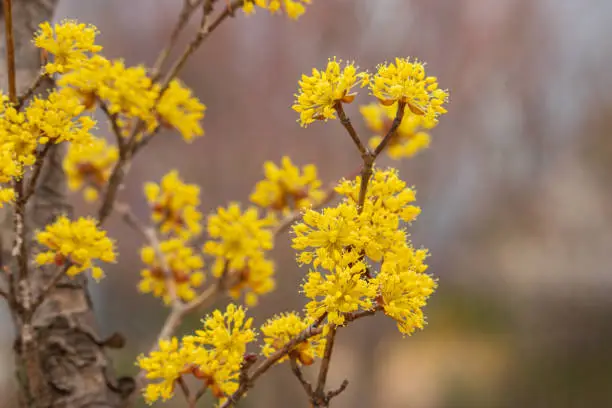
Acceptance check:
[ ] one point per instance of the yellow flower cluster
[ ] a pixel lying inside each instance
(89, 166)
(319, 93)
(212, 356)
(279, 330)
(239, 241)
(76, 243)
(409, 138)
(174, 205)
(286, 188)
(183, 264)
(293, 8)
(406, 82)
(70, 43)
(55, 119)
(128, 91)
(344, 241)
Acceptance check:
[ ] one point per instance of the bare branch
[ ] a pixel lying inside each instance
(31, 88)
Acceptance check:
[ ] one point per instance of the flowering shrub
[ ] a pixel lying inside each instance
(358, 252)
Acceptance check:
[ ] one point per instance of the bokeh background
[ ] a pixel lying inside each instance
(515, 190)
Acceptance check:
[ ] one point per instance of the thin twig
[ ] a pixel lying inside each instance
(38, 165)
(48, 288)
(297, 371)
(325, 363)
(401, 107)
(21, 100)
(346, 122)
(184, 16)
(112, 117)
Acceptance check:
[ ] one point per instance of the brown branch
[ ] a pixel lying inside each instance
(38, 165)
(401, 107)
(346, 122)
(112, 117)
(184, 16)
(319, 392)
(297, 371)
(10, 50)
(30, 90)
(265, 365)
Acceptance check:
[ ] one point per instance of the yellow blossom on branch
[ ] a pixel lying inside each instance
(90, 166)
(405, 81)
(279, 330)
(179, 109)
(236, 237)
(69, 42)
(213, 356)
(77, 243)
(319, 93)
(409, 138)
(341, 291)
(174, 205)
(254, 280)
(293, 8)
(404, 288)
(286, 188)
(184, 266)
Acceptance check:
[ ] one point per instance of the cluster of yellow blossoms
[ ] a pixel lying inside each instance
(174, 205)
(76, 244)
(286, 188)
(346, 243)
(184, 266)
(89, 166)
(128, 92)
(403, 81)
(239, 242)
(213, 356)
(293, 8)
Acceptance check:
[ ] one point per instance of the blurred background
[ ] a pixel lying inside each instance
(515, 190)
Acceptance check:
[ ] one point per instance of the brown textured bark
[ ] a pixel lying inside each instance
(61, 360)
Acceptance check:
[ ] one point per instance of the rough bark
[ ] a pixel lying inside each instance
(72, 369)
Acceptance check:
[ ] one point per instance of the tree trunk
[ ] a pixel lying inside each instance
(68, 366)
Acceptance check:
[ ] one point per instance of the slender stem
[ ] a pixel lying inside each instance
(112, 117)
(184, 16)
(297, 371)
(346, 122)
(10, 50)
(322, 379)
(48, 288)
(401, 107)
(33, 86)
(36, 171)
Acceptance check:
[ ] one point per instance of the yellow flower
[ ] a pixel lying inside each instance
(293, 8)
(127, 91)
(342, 291)
(69, 42)
(331, 233)
(409, 138)
(177, 108)
(7, 195)
(226, 333)
(406, 82)
(404, 288)
(90, 165)
(166, 364)
(174, 205)
(287, 188)
(184, 265)
(279, 330)
(255, 279)
(78, 243)
(237, 237)
(319, 93)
